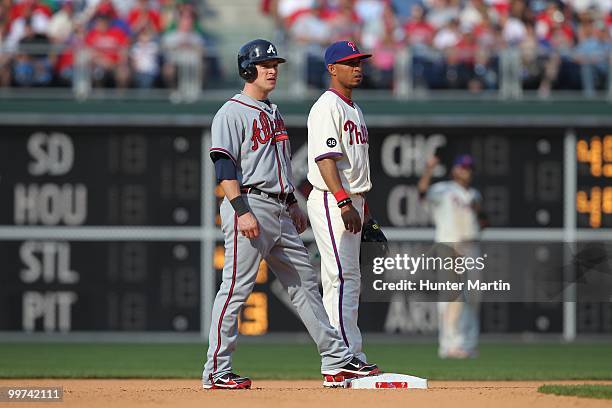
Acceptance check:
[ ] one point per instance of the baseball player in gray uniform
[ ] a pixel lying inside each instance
(260, 220)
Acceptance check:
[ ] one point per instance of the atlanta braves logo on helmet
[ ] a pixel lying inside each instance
(352, 45)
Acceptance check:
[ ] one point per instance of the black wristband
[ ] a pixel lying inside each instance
(239, 206)
(291, 199)
(344, 202)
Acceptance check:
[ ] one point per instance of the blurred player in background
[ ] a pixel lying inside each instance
(456, 213)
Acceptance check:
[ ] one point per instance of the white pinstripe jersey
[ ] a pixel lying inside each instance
(453, 211)
(336, 128)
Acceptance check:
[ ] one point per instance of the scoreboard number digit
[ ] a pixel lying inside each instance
(594, 190)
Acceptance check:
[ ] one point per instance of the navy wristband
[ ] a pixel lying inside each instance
(239, 206)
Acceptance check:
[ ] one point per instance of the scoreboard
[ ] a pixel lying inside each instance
(56, 177)
(106, 180)
(100, 176)
(519, 172)
(119, 286)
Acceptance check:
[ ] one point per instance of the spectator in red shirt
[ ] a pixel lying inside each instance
(551, 19)
(419, 35)
(29, 7)
(310, 30)
(109, 51)
(180, 43)
(107, 8)
(64, 66)
(485, 34)
(310, 26)
(142, 16)
(417, 30)
(468, 53)
(343, 21)
(465, 50)
(30, 13)
(290, 11)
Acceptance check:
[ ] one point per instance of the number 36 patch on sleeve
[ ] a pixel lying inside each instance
(331, 142)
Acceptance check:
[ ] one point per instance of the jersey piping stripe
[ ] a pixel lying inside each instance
(229, 296)
(328, 155)
(285, 155)
(221, 150)
(246, 104)
(331, 235)
(278, 164)
(281, 136)
(344, 98)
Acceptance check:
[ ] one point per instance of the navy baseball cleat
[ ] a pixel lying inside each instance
(229, 381)
(355, 368)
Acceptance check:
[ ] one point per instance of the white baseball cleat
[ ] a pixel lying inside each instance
(353, 369)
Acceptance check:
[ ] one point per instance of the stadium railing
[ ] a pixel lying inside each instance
(417, 73)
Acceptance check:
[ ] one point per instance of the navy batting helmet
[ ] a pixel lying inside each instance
(254, 52)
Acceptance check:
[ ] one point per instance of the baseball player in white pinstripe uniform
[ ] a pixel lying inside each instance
(339, 170)
(455, 208)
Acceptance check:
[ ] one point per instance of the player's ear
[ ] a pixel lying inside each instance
(257, 73)
(331, 68)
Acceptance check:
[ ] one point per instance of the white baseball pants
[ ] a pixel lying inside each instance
(340, 273)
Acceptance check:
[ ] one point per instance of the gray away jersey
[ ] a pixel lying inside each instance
(253, 135)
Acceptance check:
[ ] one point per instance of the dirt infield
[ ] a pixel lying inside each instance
(187, 393)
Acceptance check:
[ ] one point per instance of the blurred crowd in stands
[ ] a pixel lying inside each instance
(458, 43)
(130, 43)
(444, 44)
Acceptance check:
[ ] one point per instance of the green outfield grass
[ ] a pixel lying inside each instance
(273, 361)
(584, 390)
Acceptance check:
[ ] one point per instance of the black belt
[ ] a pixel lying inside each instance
(282, 197)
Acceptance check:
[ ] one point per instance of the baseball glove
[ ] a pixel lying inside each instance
(371, 233)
